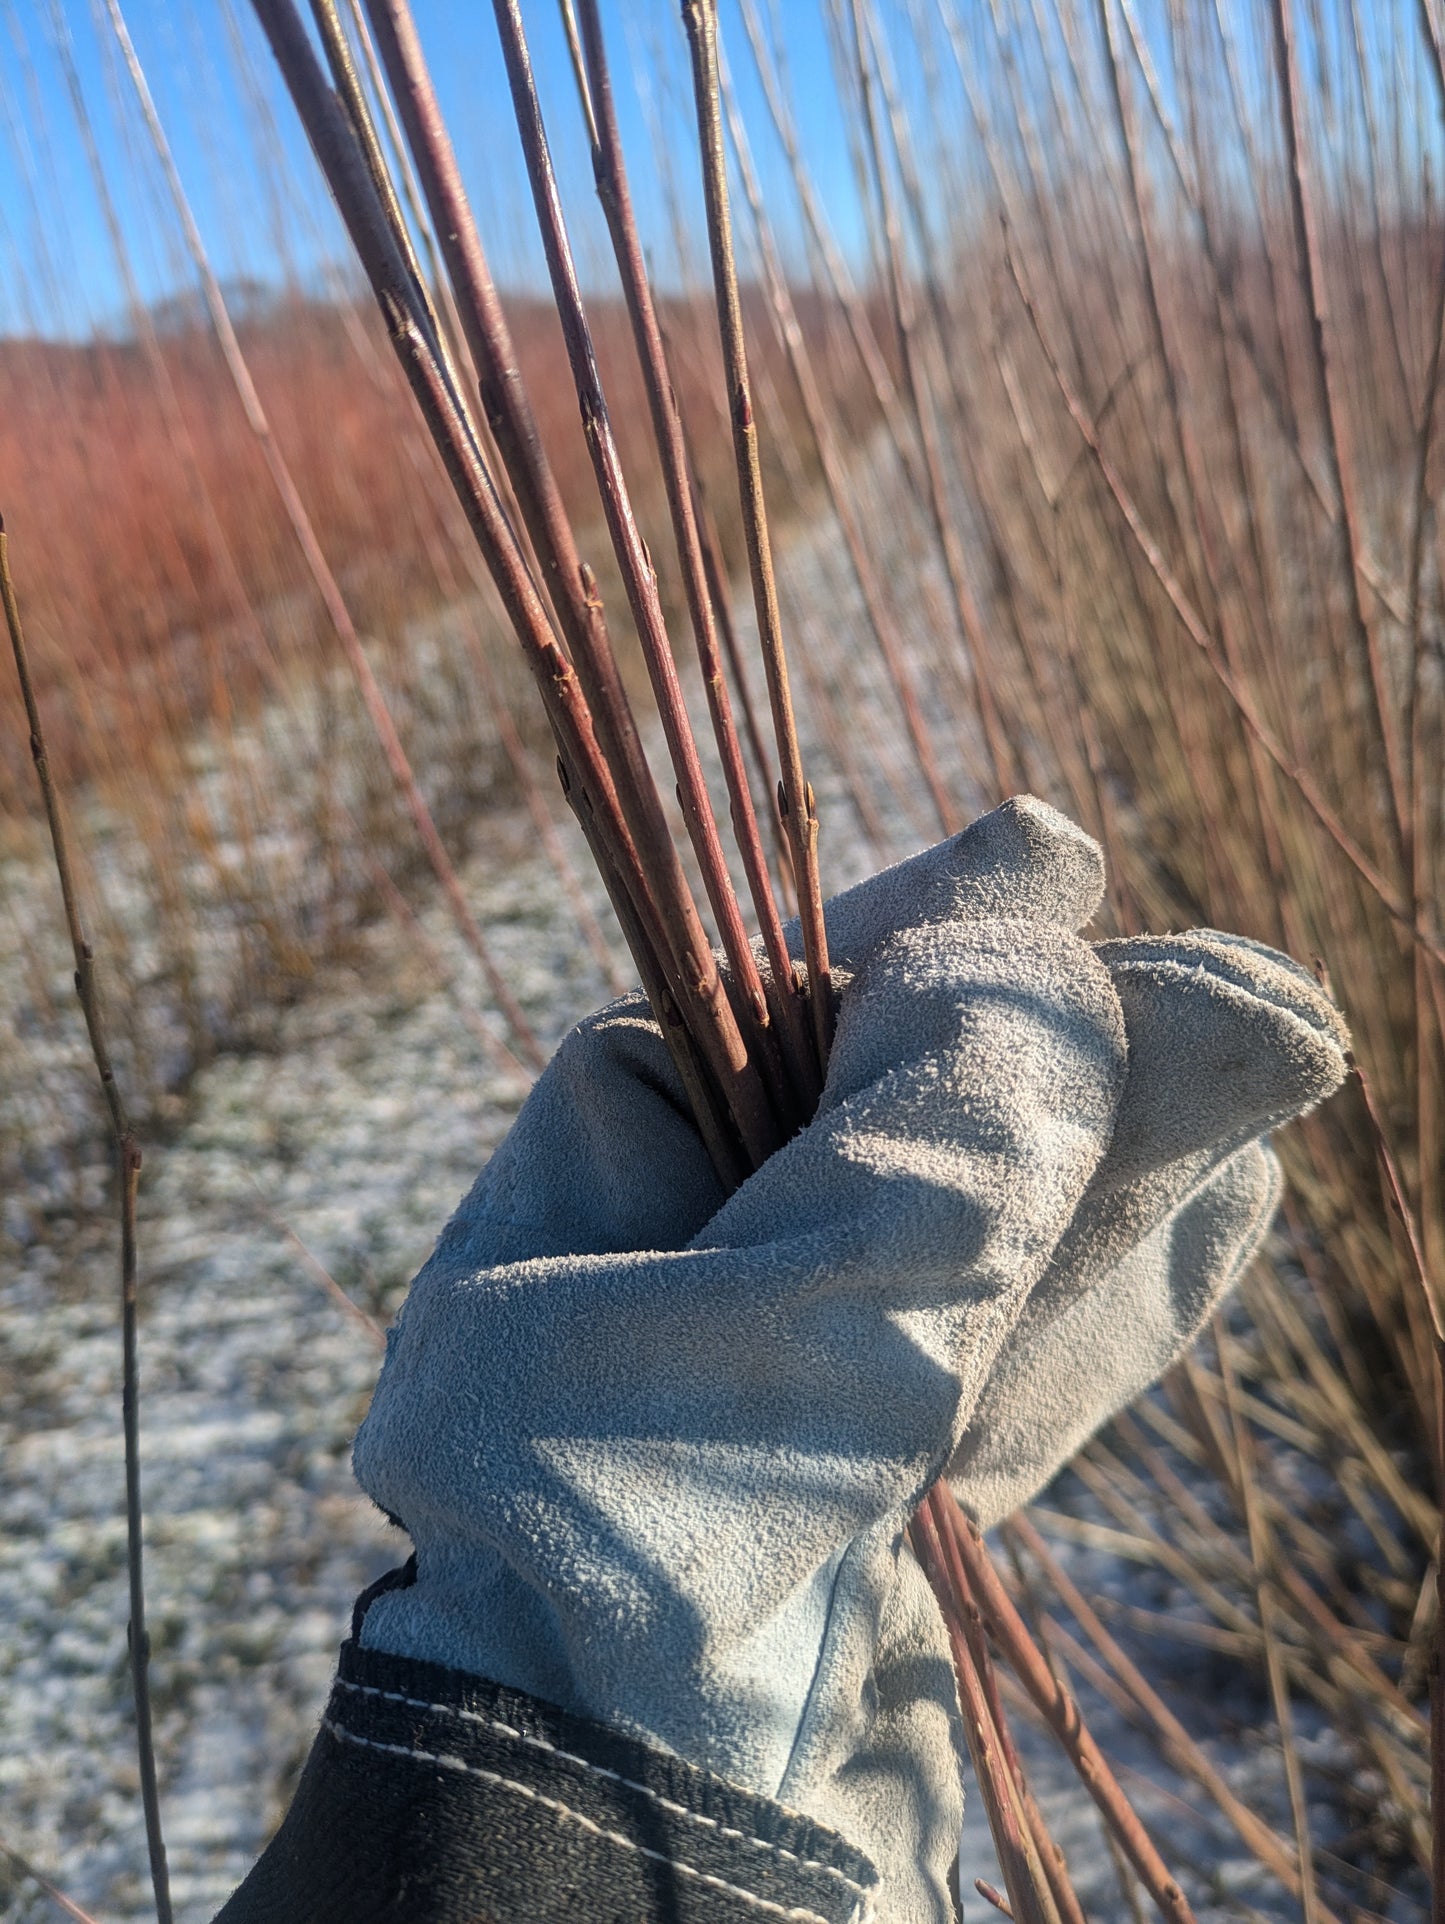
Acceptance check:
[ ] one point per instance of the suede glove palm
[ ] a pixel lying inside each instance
(656, 1446)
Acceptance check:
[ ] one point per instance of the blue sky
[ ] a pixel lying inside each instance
(244, 161)
(265, 216)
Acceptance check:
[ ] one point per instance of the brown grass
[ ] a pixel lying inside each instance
(160, 562)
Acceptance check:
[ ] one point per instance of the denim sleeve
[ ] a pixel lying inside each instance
(436, 1797)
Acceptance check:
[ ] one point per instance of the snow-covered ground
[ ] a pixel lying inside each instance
(355, 1136)
(344, 1142)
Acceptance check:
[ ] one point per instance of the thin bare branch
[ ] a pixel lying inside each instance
(1265, 1602)
(1339, 444)
(1064, 1718)
(799, 811)
(845, 289)
(670, 440)
(1050, 1857)
(51, 1890)
(835, 478)
(918, 387)
(318, 1271)
(128, 1161)
(1189, 620)
(1030, 1899)
(662, 900)
(639, 577)
(1271, 1849)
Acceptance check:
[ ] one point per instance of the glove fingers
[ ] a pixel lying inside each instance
(969, 1098)
(1078, 1356)
(1227, 1038)
(610, 1104)
(1024, 861)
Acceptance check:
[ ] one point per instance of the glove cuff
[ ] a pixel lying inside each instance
(440, 1798)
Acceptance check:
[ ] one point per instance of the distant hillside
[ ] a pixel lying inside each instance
(147, 532)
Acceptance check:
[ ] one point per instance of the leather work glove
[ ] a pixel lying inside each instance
(1176, 1210)
(656, 1446)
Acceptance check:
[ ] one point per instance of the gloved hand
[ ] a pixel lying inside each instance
(656, 1447)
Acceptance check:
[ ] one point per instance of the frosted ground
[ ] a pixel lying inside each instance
(343, 1143)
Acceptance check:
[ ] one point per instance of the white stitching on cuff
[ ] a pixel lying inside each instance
(600, 1770)
(793, 1916)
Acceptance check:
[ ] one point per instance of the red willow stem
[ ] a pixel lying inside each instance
(347, 82)
(799, 810)
(1064, 1718)
(717, 588)
(616, 855)
(1029, 1896)
(519, 758)
(679, 999)
(352, 96)
(434, 283)
(614, 193)
(1050, 1856)
(666, 906)
(1272, 1850)
(548, 833)
(1267, 1608)
(851, 746)
(438, 284)
(462, 549)
(638, 575)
